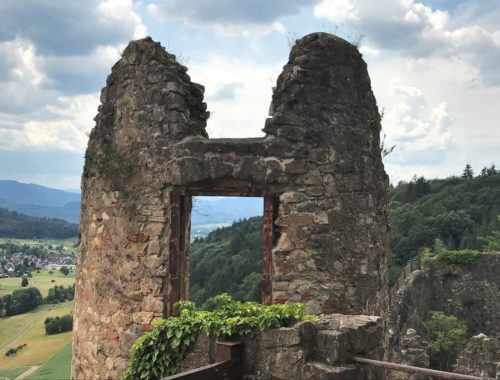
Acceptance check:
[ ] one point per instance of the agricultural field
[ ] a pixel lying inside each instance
(43, 281)
(12, 373)
(58, 367)
(69, 245)
(29, 329)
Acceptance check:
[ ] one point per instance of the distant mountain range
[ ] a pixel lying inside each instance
(35, 200)
(209, 213)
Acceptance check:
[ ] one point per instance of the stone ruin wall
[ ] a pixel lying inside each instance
(319, 350)
(481, 357)
(320, 160)
(470, 292)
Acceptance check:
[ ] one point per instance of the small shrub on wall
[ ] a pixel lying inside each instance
(440, 254)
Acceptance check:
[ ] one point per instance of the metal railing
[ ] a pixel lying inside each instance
(411, 266)
(228, 366)
(419, 370)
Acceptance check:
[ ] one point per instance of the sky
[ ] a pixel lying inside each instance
(434, 66)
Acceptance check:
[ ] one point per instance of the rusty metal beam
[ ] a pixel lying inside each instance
(222, 191)
(419, 370)
(174, 251)
(268, 237)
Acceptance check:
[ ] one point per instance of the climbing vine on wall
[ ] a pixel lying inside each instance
(159, 353)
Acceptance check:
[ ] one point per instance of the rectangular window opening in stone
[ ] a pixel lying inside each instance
(226, 248)
(221, 242)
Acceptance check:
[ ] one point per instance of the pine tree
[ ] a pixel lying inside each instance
(468, 172)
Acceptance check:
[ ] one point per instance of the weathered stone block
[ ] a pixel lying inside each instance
(283, 337)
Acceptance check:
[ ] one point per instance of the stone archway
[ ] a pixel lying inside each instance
(320, 161)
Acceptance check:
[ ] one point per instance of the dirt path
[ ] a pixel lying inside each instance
(24, 330)
(28, 372)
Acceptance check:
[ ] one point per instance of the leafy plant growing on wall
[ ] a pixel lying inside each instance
(441, 254)
(159, 353)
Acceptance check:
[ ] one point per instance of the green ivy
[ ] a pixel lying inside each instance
(159, 352)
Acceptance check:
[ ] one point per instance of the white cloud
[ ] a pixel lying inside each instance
(412, 124)
(248, 30)
(369, 51)
(437, 120)
(232, 17)
(67, 129)
(121, 11)
(244, 113)
(338, 11)
(418, 31)
(18, 62)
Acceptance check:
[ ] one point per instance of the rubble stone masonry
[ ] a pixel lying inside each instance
(320, 162)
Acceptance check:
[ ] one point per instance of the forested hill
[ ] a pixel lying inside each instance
(228, 260)
(457, 210)
(20, 226)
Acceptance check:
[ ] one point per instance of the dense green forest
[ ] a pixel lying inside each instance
(227, 260)
(20, 226)
(459, 211)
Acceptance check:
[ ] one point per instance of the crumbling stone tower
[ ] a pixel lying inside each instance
(318, 168)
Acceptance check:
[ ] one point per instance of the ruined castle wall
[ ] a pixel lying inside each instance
(470, 292)
(409, 306)
(481, 357)
(307, 350)
(320, 158)
(324, 106)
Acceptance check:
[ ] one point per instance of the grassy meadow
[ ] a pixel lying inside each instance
(69, 245)
(58, 367)
(12, 373)
(51, 352)
(43, 281)
(20, 329)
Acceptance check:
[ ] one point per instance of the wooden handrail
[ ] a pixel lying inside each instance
(212, 371)
(227, 365)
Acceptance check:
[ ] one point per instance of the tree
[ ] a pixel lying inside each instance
(468, 172)
(20, 301)
(447, 337)
(58, 324)
(24, 282)
(493, 240)
(422, 187)
(228, 260)
(491, 170)
(64, 270)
